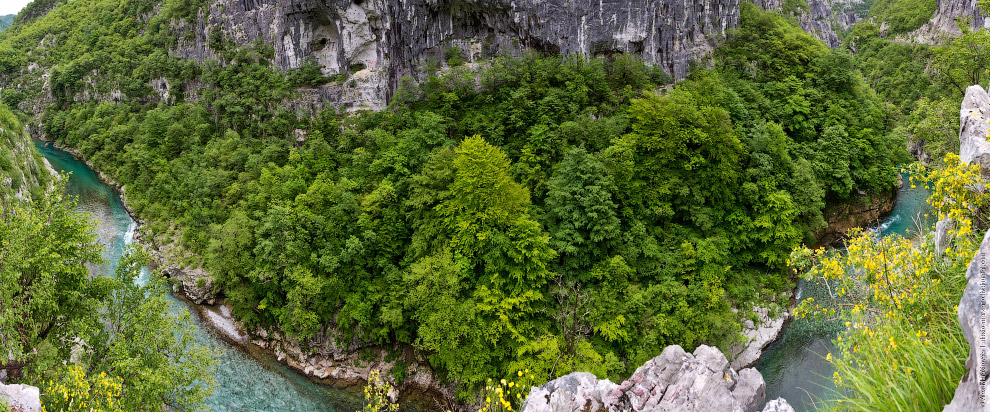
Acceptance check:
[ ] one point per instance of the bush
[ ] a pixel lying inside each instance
(902, 348)
(454, 55)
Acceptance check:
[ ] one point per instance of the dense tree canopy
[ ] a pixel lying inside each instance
(542, 212)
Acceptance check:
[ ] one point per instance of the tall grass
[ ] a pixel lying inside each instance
(903, 348)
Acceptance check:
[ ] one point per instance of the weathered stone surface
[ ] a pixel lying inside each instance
(673, 381)
(943, 23)
(973, 115)
(942, 237)
(778, 405)
(21, 398)
(975, 323)
(575, 392)
(195, 284)
(818, 22)
(757, 336)
(375, 42)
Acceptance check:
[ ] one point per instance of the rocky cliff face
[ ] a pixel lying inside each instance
(376, 42)
(974, 149)
(943, 23)
(972, 390)
(861, 210)
(674, 381)
(23, 171)
(973, 129)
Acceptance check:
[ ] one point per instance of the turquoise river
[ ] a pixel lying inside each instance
(794, 366)
(245, 382)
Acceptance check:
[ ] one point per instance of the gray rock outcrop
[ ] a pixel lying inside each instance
(757, 336)
(195, 284)
(374, 43)
(674, 381)
(972, 389)
(21, 398)
(778, 405)
(943, 23)
(974, 149)
(973, 116)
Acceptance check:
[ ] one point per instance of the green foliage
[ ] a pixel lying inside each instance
(903, 16)
(543, 212)
(795, 7)
(902, 348)
(965, 59)
(454, 55)
(53, 303)
(6, 21)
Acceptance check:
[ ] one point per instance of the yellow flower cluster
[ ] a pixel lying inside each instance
(895, 296)
(507, 394)
(72, 390)
(376, 393)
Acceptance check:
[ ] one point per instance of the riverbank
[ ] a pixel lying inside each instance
(344, 369)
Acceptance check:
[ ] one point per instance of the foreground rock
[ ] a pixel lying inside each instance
(757, 336)
(195, 284)
(674, 381)
(972, 390)
(973, 116)
(21, 398)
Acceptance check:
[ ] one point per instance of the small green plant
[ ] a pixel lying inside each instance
(454, 55)
(507, 394)
(376, 397)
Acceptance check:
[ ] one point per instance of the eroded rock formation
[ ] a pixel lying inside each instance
(974, 149)
(943, 23)
(973, 129)
(674, 381)
(972, 390)
(21, 398)
(374, 43)
(758, 335)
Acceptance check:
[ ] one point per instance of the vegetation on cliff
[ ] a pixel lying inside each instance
(547, 213)
(81, 338)
(903, 348)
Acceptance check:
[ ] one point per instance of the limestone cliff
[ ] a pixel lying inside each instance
(943, 23)
(24, 173)
(974, 149)
(376, 42)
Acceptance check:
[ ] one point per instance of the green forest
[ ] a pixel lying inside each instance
(541, 212)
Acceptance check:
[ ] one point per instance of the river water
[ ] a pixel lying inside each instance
(244, 382)
(794, 366)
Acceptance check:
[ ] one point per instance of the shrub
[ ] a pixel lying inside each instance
(72, 390)
(902, 348)
(376, 395)
(454, 55)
